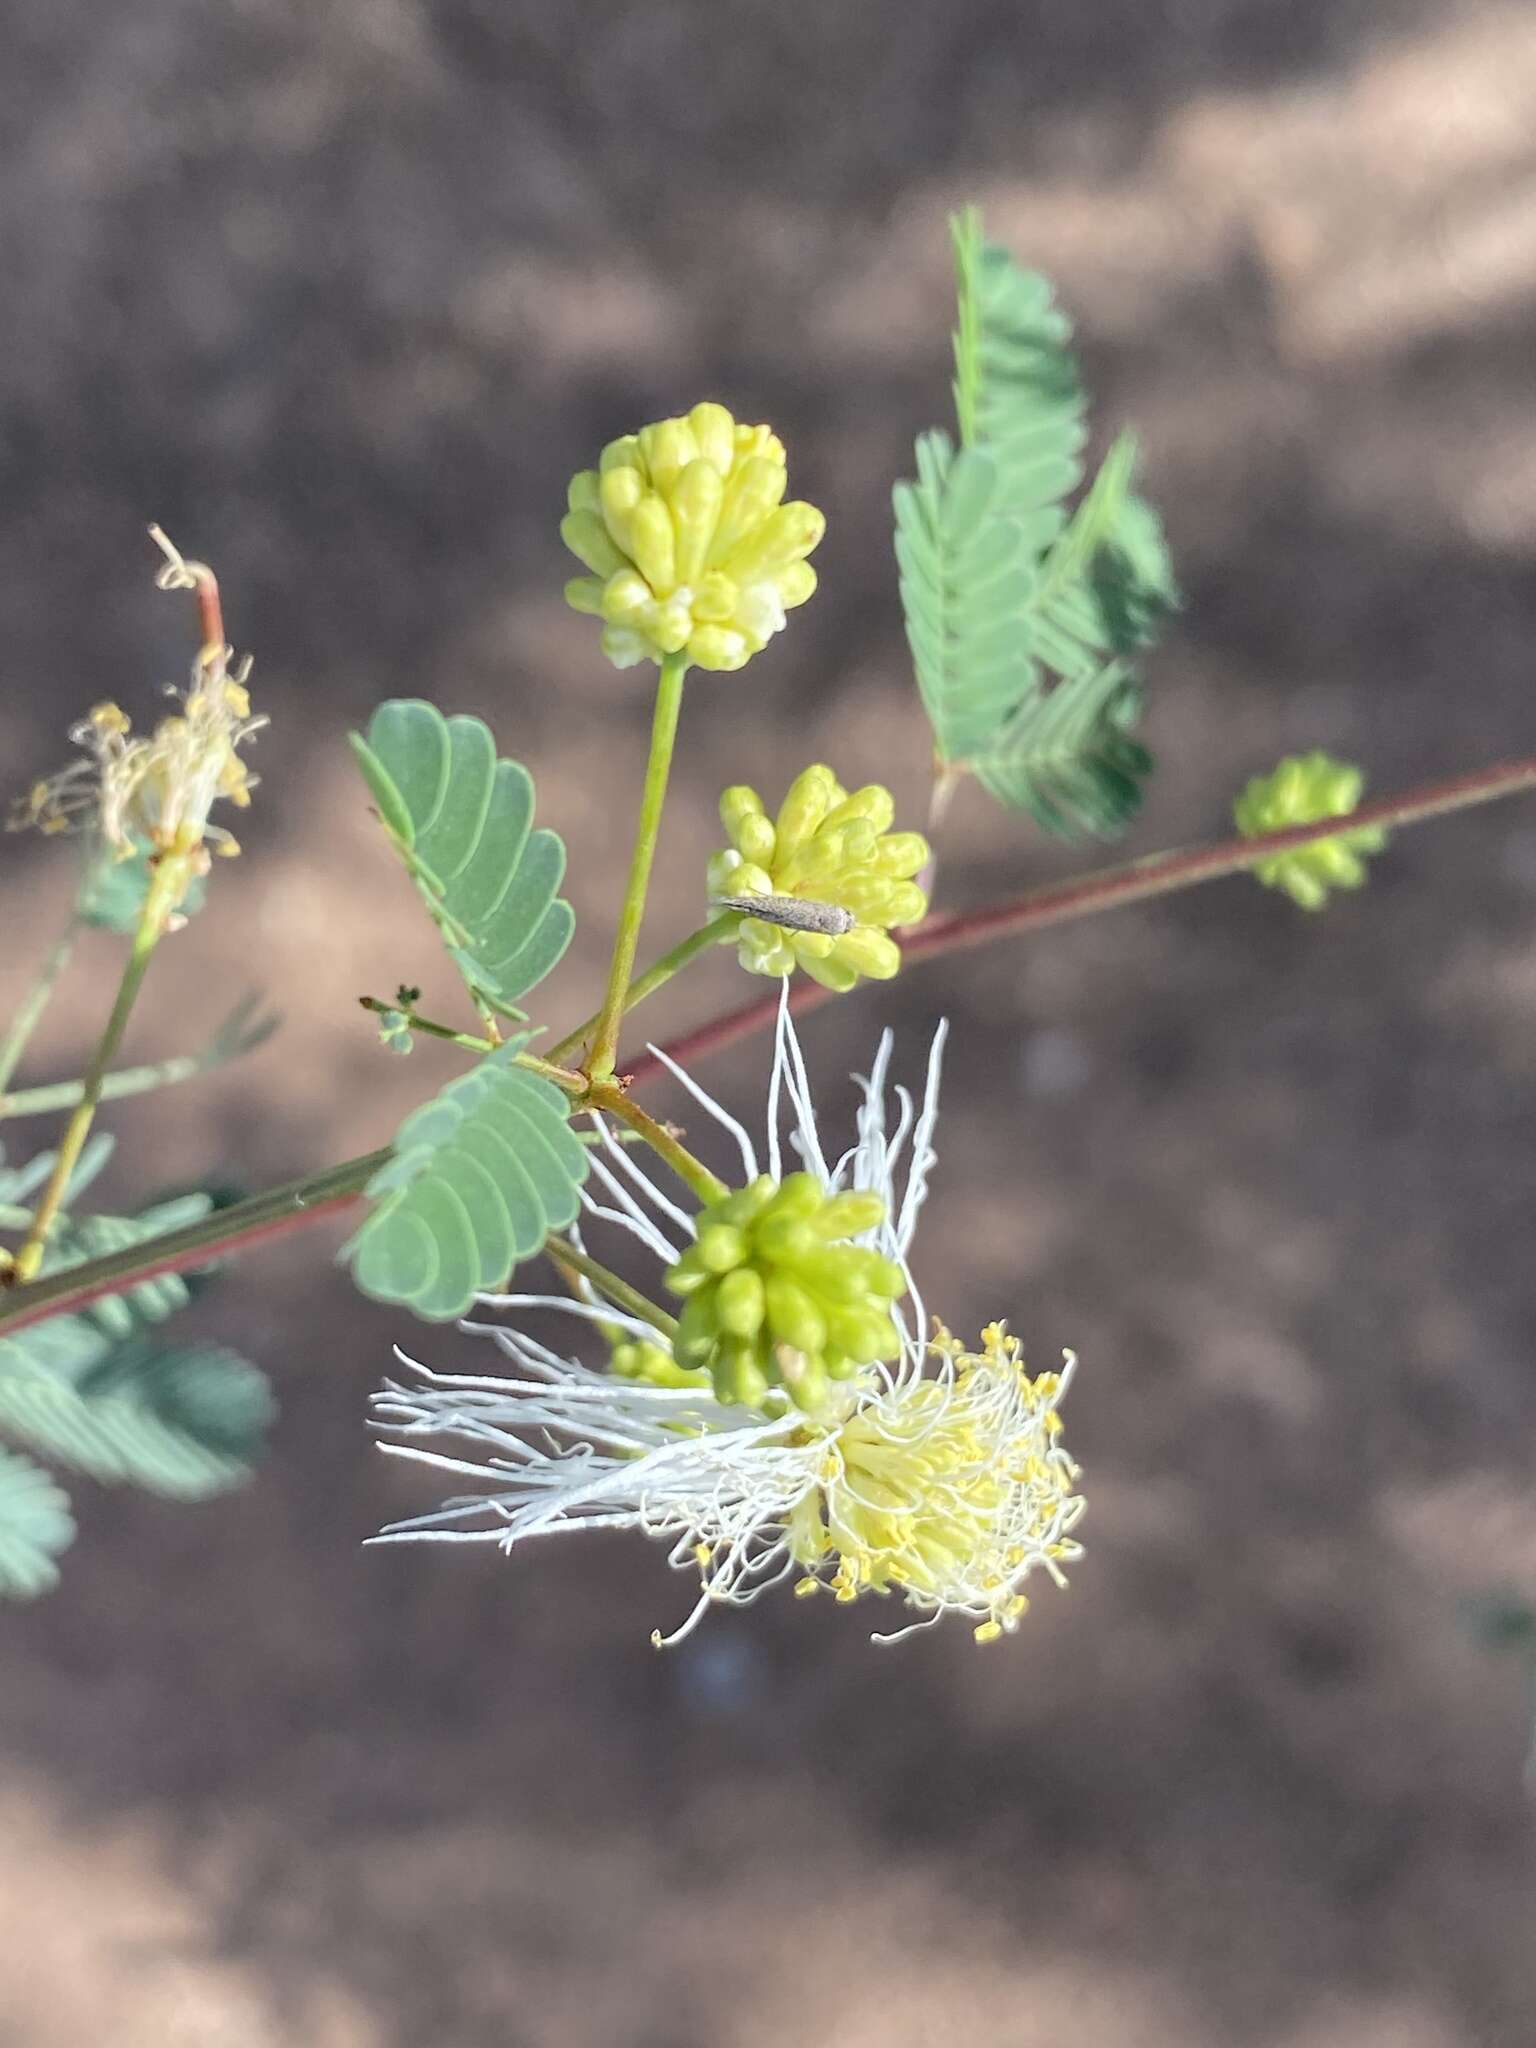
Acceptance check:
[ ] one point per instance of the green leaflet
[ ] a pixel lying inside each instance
(35, 1526)
(966, 578)
(19, 1183)
(461, 821)
(481, 1175)
(1067, 756)
(1017, 392)
(1021, 620)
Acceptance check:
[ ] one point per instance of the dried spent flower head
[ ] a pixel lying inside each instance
(1304, 789)
(154, 791)
(937, 1478)
(826, 851)
(690, 547)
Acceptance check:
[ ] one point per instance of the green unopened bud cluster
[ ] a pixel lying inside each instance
(1304, 789)
(632, 1358)
(776, 1297)
(825, 847)
(689, 544)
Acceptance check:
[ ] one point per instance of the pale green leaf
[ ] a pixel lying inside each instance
(479, 1178)
(35, 1527)
(462, 821)
(117, 1438)
(204, 1392)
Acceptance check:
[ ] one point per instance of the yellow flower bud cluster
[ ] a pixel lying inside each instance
(824, 848)
(775, 1296)
(1304, 789)
(690, 547)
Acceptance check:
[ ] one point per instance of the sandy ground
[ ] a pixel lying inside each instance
(342, 295)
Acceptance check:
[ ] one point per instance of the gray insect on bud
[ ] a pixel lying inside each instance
(794, 913)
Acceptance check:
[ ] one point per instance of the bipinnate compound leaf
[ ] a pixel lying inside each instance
(94, 1390)
(35, 1526)
(480, 1177)
(462, 821)
(126, 1433)
(1021, 619)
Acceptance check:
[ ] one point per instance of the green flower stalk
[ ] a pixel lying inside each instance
(776, 1296)
(833, 875)
(689, 545)
(1303, 789)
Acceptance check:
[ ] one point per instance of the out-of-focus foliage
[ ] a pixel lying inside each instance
(1304, 789)
(1022, 621)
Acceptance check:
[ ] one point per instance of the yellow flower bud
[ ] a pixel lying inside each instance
(585, 494)
(830, 874)
(685, 524)
(696, 500)
(721, 649)
(714, 431)
(587, 538)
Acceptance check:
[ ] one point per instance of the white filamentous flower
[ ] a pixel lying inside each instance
(946, 1486)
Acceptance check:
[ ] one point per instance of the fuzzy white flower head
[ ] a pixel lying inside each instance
(940, 1478)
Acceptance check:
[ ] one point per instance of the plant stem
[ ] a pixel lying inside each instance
(1156, 874)
(659, 971)
(669, 700)
(37, 999)
(265, 1218)
(425, 1024)
(167, 886)
(228, 1044)
(563, 1077)
(693, 1173)
(618, 1291)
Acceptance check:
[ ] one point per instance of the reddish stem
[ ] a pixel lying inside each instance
(280, 1213)
(1157, 874)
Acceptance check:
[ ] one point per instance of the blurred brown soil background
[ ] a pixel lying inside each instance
(341, 294)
